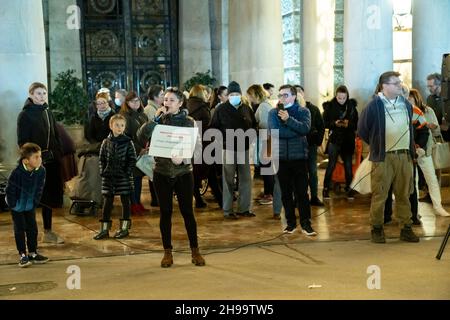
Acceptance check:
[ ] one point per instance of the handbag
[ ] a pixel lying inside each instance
(146, 164)
(441, 155)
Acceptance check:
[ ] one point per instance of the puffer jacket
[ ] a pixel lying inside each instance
(165, 166)
(293, 144)
(117, 161)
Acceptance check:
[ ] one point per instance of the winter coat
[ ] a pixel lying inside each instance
(343, 137)
(227, 116)
(37, 124)
(117, 161)
(293, 144)
(315, 135)
(98, 129)
(24, 189)
(165, 166)
(199, 111)
(135, 119)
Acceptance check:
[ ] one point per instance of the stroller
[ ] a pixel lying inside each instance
(86, 188)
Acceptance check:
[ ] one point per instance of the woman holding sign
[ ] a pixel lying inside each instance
(173, 175)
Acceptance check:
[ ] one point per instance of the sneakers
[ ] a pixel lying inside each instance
(350, 194)
(24, 261)
(441, 212)
(52, 237)
(37, 258)
(308, 230)
(266, 200)
(246, 214)
(289, 230)
(315, 201)
(231, 216)
(378, 235)
(326, 194)
(406, 234)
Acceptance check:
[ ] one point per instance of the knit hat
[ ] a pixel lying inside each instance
(234, 87)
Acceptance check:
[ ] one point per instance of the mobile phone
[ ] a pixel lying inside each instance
(280, 106)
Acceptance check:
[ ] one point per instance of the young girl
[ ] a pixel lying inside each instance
(173, 175)
(117, 161)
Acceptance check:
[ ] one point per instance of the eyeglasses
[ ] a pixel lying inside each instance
(135, 100)
(397, 83)
(284, 95)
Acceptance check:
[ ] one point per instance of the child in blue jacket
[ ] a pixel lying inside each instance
(23, 194)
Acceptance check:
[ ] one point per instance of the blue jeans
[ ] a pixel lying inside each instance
(333, 152)
(277, 204)
(312, 171)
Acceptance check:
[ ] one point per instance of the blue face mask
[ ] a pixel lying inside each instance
(234, 100)
(288, 105)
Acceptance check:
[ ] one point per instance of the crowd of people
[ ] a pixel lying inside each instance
(398, 126)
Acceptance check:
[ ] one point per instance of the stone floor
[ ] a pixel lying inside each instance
(340, 220)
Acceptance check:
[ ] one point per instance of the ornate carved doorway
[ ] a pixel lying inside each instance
(129, 44)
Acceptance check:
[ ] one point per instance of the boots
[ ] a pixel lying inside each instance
(125, 224)
(105, 226)
(197, 259)
(167, 260)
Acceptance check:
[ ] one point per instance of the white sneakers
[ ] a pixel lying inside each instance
(51, 237)
(441, 212)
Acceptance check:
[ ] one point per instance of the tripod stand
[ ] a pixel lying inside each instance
(444, 242)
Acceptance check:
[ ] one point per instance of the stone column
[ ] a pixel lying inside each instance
(255, 42)
(218, 15)
(64, 38)
(431, 25)
(368, 49)
(318, 50)
(22, 61)
(194, 38)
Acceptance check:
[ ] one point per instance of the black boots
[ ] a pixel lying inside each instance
(105, 226)
(125, 224)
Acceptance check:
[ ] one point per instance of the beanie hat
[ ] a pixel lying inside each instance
(234, 87)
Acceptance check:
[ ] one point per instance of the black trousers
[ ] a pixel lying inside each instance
(293, 178)
(182, 186)
(25, 227)
(108, 206)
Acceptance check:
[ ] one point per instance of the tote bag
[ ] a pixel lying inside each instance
(441, 155)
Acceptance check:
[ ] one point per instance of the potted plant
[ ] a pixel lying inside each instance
(69, 103)
(203, 78)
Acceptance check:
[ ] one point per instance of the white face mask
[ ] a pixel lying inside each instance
(118, 102)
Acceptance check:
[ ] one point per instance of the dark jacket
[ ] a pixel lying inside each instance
(315, 135)
(227, 116)
(98, 129)
(24, 189)
(135, 119)
(372, 129)
(293, 144)
(37, 124)
(165, 166)
(117, 161)
(436, 103)
(199, 111)
(343, 137)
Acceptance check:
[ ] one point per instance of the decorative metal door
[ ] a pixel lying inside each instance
(129, 44)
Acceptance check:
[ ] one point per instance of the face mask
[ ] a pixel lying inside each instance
(235, 100)
(288, 105)
(118, 102)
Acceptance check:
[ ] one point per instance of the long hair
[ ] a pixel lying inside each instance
(257, 92)
(131, 96)
(418, 101)
(198, 91)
